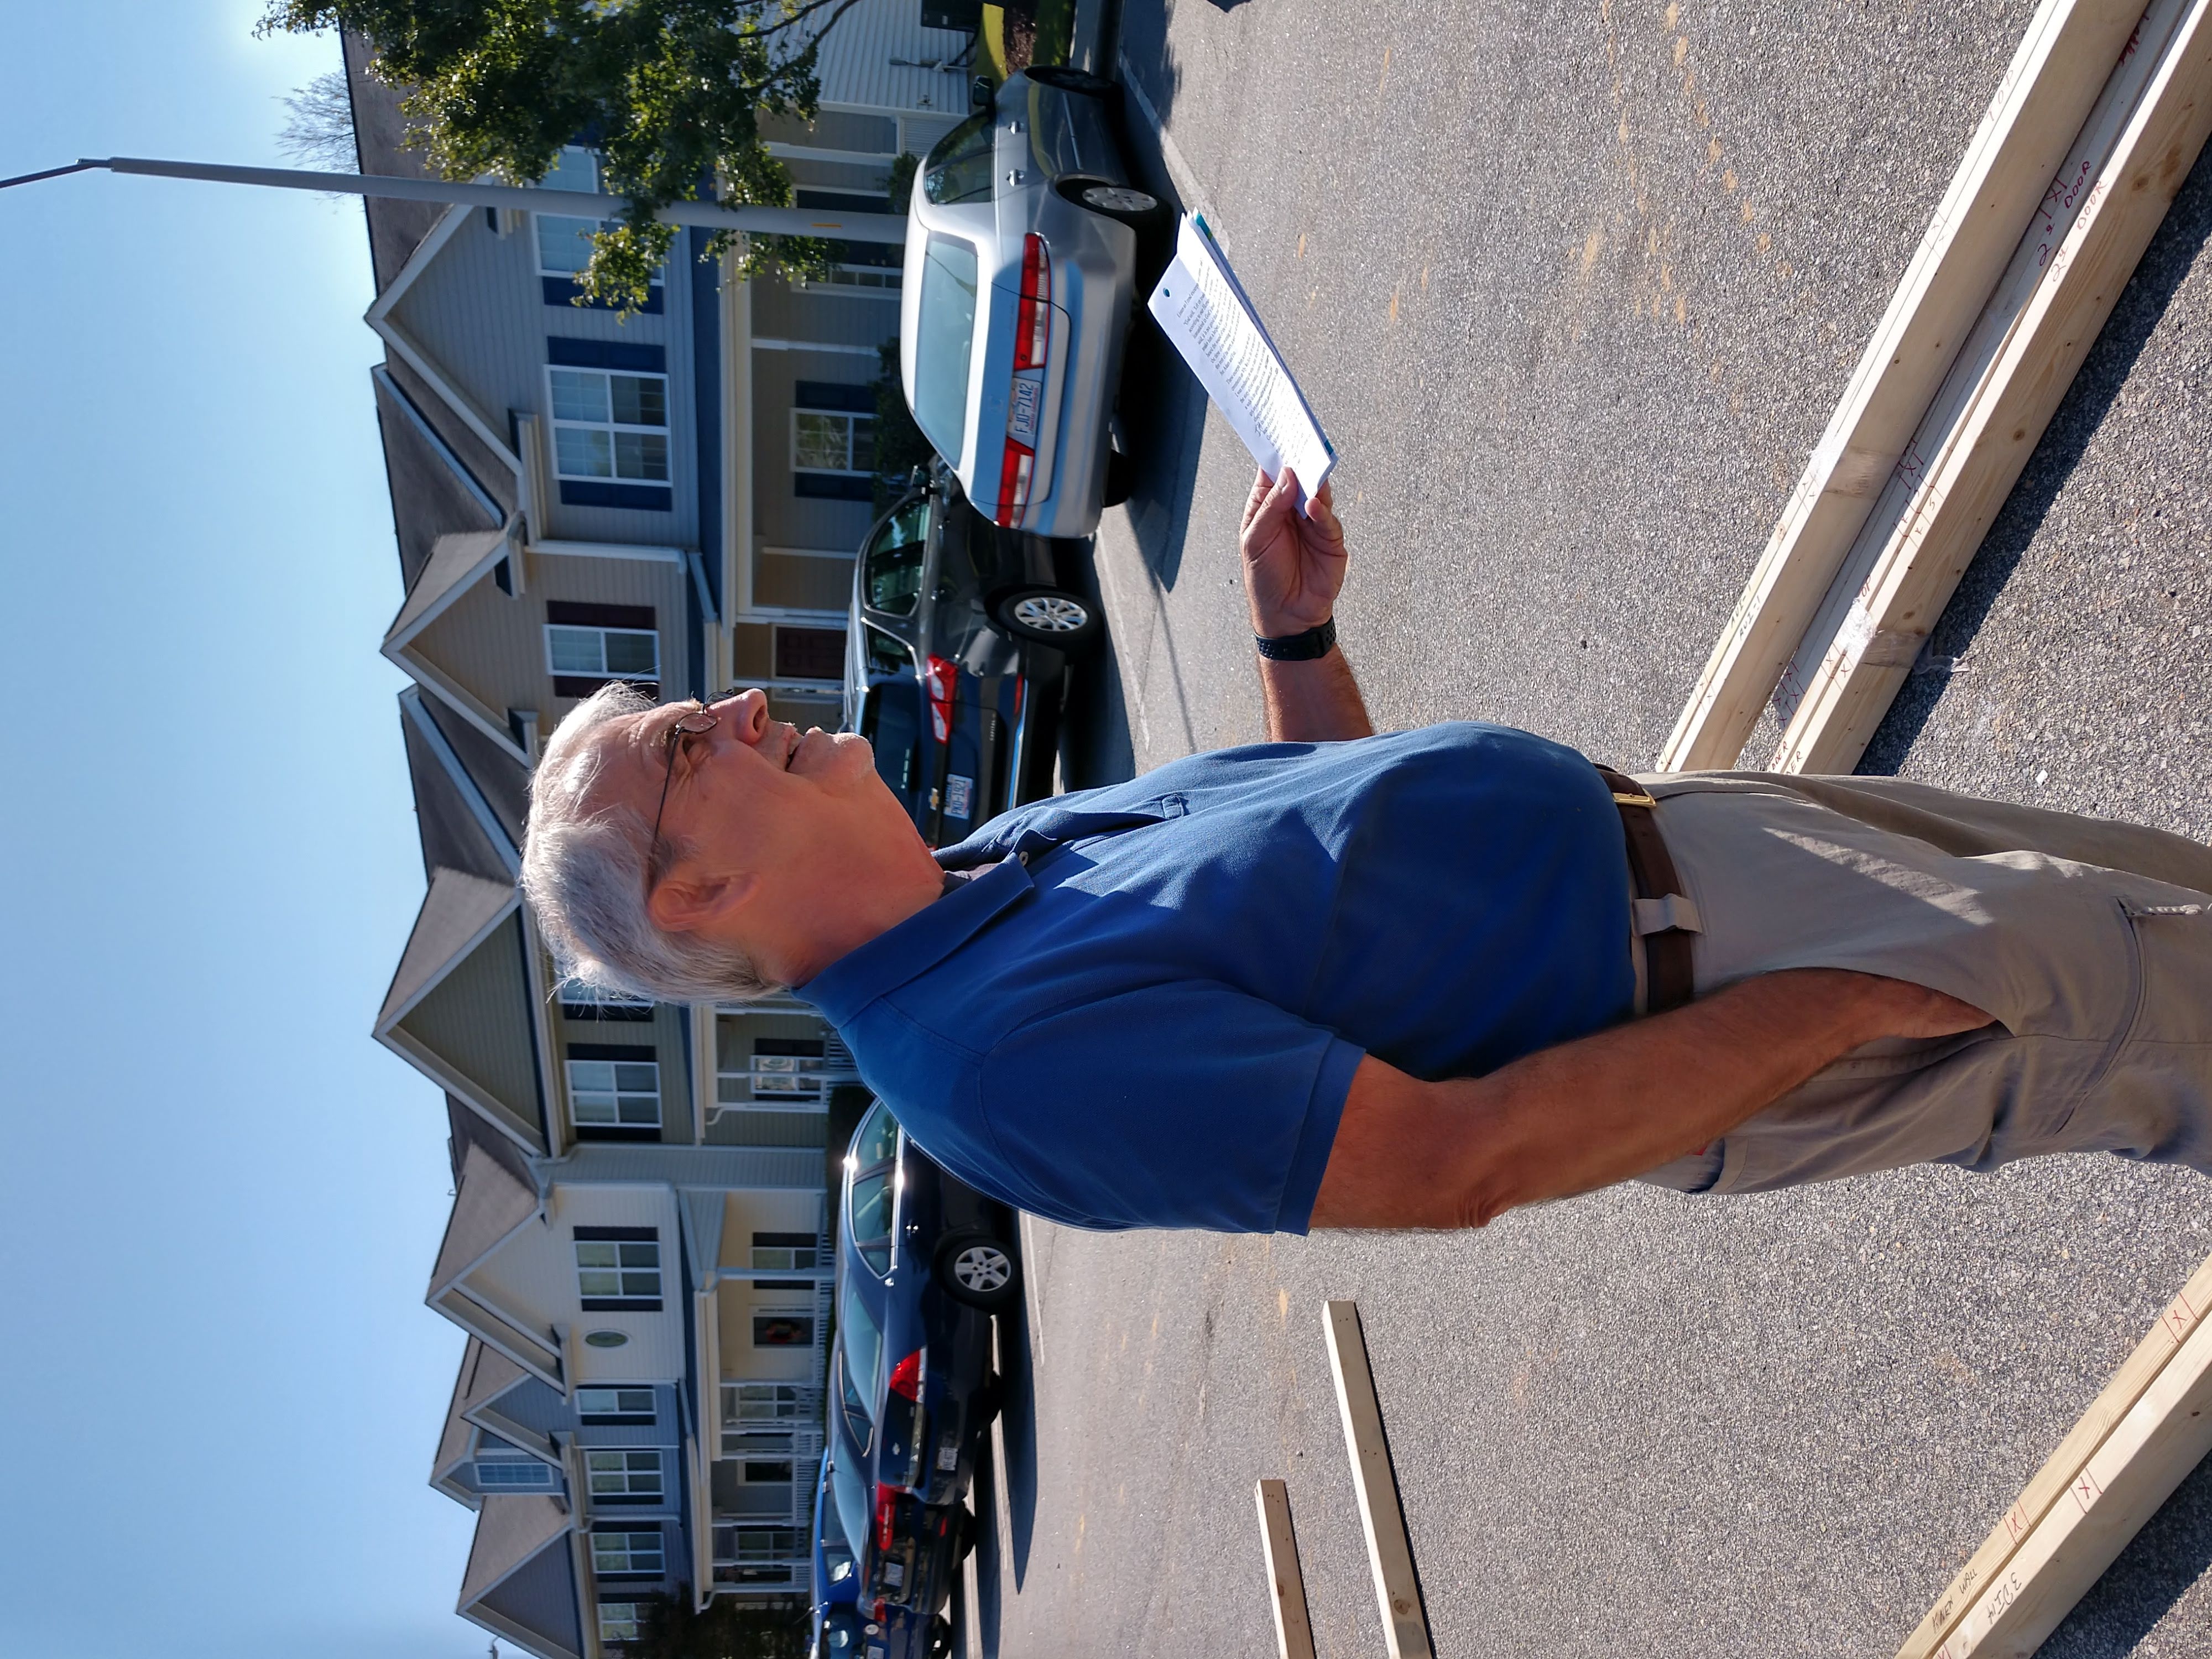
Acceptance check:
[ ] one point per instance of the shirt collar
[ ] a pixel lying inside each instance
(888, 961)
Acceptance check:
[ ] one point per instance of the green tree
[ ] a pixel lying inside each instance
(671, 1629)
(899, 446)
(669, 92)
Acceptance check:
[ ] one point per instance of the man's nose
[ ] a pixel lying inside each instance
(745, 713)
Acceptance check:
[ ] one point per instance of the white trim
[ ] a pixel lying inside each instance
(619, 1095)
(810, 553)
(381, 375)
(858, 158)
(736, 550)
(644, 550)
(851, 441)
(792, 613)
(763, 342)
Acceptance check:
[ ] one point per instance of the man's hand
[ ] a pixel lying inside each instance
(1294, 561)
(1604, 1107)
(1294, 565)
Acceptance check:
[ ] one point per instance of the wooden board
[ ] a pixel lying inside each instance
(1389, 1552)
(1989, 1564)
(2062, 63)
(1286, 1585)
(2149, 1452)
(1900, 599)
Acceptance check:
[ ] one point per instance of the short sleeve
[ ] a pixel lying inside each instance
(1186, 1104)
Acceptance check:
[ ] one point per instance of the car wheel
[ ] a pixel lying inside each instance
(978, 1270)
(1082, 83)
(1049, 616)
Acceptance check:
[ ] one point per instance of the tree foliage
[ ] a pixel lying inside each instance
(671, 1629)
(669, 92)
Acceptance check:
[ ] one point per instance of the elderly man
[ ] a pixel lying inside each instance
(1343, 980)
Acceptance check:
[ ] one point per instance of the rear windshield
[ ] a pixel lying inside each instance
(959, 169)
(944, 336)
(891, 720)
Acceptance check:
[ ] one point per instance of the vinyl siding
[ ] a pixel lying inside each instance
(783, 312)
(540, 1596)
(808, 583)
(477, 1019)
(855, 63)
(494, 645)
(780, 518)
(480, 313)
(769, 1129)
(741, 1361)
(744, 1214)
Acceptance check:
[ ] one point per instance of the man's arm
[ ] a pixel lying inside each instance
(1586, 1114)
(1294, 566)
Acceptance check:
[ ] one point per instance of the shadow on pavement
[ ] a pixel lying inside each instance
(1005, 1469)
(2166, 263)
(2152, 1573)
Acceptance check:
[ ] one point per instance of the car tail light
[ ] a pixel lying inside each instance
(906, 1377)
(1032, 342)
(883, 1612)
(886, 1516)
(1014, 471)
(941, 680)
(1033, 318)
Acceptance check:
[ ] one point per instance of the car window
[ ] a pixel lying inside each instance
(886, 655)
(890, 574)
(861, 1340)
(945, 337)
(876, 1141)
(850, 1493)
(891, 720)
(871, 1199)
(960, 168)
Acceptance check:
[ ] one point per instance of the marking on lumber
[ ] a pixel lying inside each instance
(2062, 63)
(2137, 1372)
(2149, 1452)
(1287, 1584)
(2032, 357)
(1389, 1551)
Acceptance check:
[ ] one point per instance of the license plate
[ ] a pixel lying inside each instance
(959, 796)
(948, 1457)
(1022, 421)
(895, 1575)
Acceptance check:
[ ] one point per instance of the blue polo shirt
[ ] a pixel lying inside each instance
(1149, 1012)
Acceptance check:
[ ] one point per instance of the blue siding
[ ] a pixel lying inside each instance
(541, 1596)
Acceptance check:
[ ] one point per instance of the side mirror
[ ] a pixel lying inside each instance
(981, 94)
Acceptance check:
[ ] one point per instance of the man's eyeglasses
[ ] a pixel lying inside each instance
(700, 720)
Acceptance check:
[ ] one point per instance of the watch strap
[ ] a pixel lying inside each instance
(1313, 642)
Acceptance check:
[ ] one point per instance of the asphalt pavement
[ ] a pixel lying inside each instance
(1574, 290)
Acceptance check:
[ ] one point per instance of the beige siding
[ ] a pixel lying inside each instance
(781, 519)
(833, 130)
(806, 583)
(746, 1213)
(477, 1020)
(770, 1128)
(655, 1349)
(479, 312)
(494, 645)
(860, 317)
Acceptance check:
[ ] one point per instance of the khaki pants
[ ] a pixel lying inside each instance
(2089, 941)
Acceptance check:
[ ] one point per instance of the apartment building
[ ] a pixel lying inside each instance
(638, 1246)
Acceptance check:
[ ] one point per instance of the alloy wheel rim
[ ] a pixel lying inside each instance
(982, 1267)
(1113, 198)
(1051, 613)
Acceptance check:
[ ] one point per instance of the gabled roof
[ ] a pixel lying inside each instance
(458, 561)
(490, 1208)
(380, 133)
(462, 1007)
(485, 1375)
(462, 825)
(521, 1582)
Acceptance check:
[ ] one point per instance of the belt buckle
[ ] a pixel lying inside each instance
(1636, 799)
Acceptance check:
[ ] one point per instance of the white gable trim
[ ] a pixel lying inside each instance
(379, 317)
(487, 820)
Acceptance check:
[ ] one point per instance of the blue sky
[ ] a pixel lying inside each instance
(220, 1199)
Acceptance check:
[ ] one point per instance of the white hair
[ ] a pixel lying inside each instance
(586, 868)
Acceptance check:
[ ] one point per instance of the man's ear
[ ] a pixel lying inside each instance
(685, 904)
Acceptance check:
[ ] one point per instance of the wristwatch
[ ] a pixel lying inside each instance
(1298, 647)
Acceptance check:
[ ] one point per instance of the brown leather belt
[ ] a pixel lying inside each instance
(1662, 914)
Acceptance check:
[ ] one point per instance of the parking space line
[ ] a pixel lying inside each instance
(1179, 171)
(1389, 1551)
(1287, 1585)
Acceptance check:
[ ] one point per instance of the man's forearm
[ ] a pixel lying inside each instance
(1605, 1108)
(1313, 701)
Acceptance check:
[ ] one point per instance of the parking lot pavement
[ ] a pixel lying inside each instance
(1574, 290)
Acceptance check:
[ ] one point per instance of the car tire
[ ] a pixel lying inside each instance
(1052, 616)
(939, 1644)
(964, 1545)
(1082, 83)
(1121, 478)
(978, 1270)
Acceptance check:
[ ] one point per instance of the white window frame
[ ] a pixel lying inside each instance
(621, 1268)
(628, 1560)
(585, 1408)
(573, 158)
(843, 279)
(542, 1475)
(625, 1472)
(616, 1096)
(622, 1626)
(847, 416)
(554, 668)
(612, 428)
